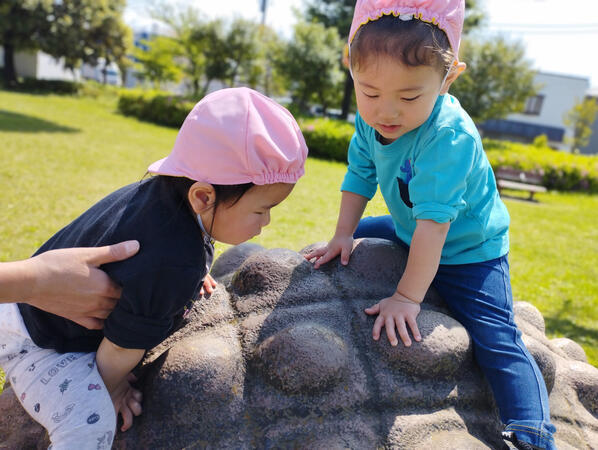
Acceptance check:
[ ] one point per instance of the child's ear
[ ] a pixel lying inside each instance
(201, 196)
(456, 70)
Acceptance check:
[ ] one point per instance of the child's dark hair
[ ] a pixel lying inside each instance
(227, 194)
(411, 43)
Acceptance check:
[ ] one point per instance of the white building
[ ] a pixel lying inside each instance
(544, 113)
(41, 66)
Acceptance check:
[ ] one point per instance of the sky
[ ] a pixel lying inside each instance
(558, 37)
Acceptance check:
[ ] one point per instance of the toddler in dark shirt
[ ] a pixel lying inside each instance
(237, 155)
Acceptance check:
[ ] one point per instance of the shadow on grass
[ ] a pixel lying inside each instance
(560, 323)
(11, 121)
(567, 328)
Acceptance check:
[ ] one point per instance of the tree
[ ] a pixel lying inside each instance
(192, 34)
(87, 31)
(270, 50)
(23, 23)
(242, 49)
(498, 79)
(76, 30)
(310, 64)
(156, 61)
(581, 117)
(216, 61)
(331, 13)
(231, 52)
(474, 16)
(124, 64)
(337, 14)
(114, 39)
(213, 50)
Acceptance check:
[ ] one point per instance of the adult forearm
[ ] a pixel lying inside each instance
(424, 258)
(351, 210)
(16, 281)
(115, 362)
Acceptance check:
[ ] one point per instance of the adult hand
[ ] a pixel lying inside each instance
(338, 244)
(396, 311)
(68, 283)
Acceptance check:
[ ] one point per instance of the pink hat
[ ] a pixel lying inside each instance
(236, 136)
(448, 15)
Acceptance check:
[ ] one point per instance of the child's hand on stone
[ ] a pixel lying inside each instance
(127, 401)
(342, 244)
(208, 285)
(395, 312)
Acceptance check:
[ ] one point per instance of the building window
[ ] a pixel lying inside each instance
(533, 105)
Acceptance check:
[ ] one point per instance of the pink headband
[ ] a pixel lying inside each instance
(448, 15)
(236, 136)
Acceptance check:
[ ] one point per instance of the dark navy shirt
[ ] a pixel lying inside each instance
(158, 283)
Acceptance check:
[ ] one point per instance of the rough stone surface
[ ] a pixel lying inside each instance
(571, 349)
(281, 356)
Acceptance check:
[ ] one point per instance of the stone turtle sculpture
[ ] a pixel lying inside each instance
(281, 356)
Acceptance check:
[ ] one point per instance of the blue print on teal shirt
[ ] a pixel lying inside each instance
(404, 184)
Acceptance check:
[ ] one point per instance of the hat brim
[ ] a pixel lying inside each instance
(165, 166)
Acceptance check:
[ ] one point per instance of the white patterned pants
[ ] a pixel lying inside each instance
(63, 392)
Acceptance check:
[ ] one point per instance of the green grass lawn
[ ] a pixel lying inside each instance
(61, 154)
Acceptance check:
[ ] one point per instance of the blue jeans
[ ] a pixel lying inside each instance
(479, 297)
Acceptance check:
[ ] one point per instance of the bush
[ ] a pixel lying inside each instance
(48, 86)
(541, 141)
(327, 138)
(95, 89)
(155, 106)
(560, 170)
(87, 88)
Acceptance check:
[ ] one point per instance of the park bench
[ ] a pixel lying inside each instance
(507, 178)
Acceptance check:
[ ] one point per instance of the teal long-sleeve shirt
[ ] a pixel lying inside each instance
(438, 171)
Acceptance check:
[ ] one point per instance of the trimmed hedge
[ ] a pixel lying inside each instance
(87, 88)
(46, 86)
(560, 171)
(327, 138)
(330, 138)
(95, 89)
(155, 106)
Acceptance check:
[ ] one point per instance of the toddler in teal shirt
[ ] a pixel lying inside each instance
(415, 141)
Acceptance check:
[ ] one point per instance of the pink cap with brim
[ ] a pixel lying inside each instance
(448, 15)
(236, 136)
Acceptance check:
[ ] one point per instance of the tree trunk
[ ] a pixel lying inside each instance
(267, 77)
(195, 84)
(233, 77)
(124, 75)
(205, 88)
(10, 74)
(347, 95)
(303, 104)
(324, 104)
